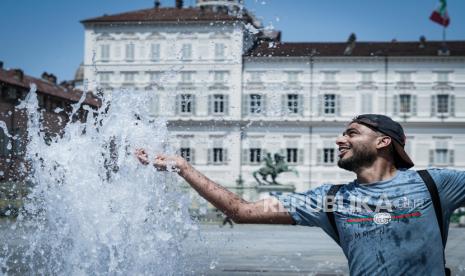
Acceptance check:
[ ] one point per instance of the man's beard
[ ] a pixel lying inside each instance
(362, 156)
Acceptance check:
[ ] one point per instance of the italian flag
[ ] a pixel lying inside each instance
(440, 15)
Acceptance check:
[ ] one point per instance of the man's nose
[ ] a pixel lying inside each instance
(341, 140)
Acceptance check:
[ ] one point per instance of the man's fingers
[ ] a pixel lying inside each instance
(142, 156)
(161, 162)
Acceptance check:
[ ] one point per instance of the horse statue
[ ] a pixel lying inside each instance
(272, 169)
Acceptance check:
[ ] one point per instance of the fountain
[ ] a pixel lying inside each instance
(94, 209)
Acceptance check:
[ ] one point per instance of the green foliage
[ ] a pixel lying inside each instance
(456, 216)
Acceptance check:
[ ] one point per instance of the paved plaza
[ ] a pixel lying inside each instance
(269, 250)
(287, 250)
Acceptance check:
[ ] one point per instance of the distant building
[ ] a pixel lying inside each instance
(232, 91)
(55, 102)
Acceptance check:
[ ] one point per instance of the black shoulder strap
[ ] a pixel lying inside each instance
(330, 214)
(433, 191)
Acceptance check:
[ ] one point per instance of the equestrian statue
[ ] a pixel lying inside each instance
(273, 169)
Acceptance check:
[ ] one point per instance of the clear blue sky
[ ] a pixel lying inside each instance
(45, 35)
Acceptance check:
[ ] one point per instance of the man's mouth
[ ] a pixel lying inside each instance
(343, 150)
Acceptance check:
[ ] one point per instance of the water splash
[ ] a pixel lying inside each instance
(93, 209)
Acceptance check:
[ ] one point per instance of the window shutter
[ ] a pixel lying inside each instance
(225, 156)
(301, 156)
(192, 155)
(395, 104)
(431, 157)
(245, 104)
(319, 156)
(452, 105)
(338, 105)
(263, 153)
(301, 104)
(194, 111)
(263, 102)
(209, 156)
(245, 156)
(414, 105)
(321, 105)
(177, 107)
(284, 105)
(433, 105)
(451, 157)
(226, 104)
(210, 104)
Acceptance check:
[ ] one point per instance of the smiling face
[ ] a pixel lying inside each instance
(358, 147)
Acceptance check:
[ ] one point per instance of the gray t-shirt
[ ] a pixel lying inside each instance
(387, 227)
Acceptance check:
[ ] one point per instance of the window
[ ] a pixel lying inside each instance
(442, 77)
(219, 76)
(255, 155)
(328, 156)
(256, 104)
(130, 52)
(329, 76)
(186, 77)
(155, 77)
(329, 104)
(153, 102)
(186, 154)
(405, 103)
(292, 77)
(19, 145)
(5, 145)
(219, 51)
(443, 103)
(366, 77)
(367, 103)
(440, 156)
(405, 77)
(129, 77)
(293, 103)
(255, 77)
(186, 52)
(291, 155)
(218, 104)
(186, 103)
(104, 77)
(218, 155)
(155, 52)
(105, 52)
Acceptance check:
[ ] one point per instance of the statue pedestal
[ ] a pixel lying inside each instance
(275, 188)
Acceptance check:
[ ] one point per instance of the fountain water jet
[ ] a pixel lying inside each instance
(93, 208)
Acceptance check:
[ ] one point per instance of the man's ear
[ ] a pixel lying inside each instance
(383, 142)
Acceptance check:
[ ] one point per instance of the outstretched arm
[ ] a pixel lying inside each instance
(269, 210)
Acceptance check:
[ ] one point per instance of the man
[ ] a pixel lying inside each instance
(385, 220)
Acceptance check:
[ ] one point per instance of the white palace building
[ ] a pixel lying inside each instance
(232, 91)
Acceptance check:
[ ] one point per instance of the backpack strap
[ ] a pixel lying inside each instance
(330, 215)
(433, 191)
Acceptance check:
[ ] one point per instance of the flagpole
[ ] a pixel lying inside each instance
(444, 34)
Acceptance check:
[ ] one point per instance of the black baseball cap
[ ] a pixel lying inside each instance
(393, 129)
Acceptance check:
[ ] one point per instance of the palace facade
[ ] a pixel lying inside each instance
(232, 91)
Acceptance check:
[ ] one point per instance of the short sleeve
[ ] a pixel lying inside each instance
(451, 187)
(306, 208)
